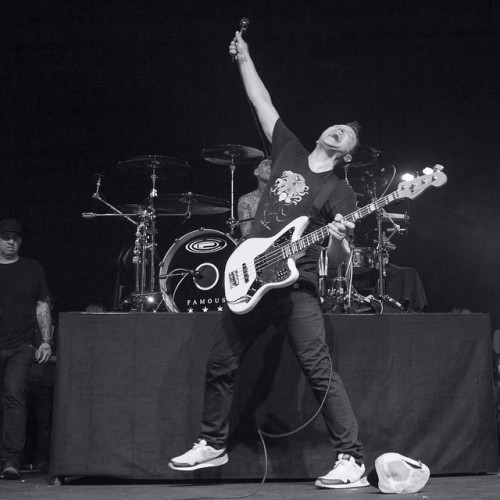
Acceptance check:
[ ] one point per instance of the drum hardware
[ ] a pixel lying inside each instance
(384, 245)
(340, 296)
(232, 155)
(145, 295)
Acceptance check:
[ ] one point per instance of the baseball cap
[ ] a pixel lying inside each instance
(10, 226)
(396, 473)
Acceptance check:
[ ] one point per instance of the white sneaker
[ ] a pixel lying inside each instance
(346, 473)
(199, 457)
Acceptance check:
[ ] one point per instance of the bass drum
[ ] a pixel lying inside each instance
(192, 271)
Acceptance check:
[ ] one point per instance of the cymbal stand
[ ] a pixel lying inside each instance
(139, 258)
(232, 222)
(152, 230)
(144, 228)
(382, 255)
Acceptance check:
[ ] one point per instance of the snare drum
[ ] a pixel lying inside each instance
(363, 259)
(192, 271)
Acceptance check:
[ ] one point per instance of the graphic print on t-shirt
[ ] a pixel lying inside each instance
(288, 190)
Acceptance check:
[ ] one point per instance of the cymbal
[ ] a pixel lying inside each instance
(197, 204)
(227, 154)
(163, 166)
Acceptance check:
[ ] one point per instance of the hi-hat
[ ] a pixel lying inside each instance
(228, 154)
(163, 166)
(182, 203)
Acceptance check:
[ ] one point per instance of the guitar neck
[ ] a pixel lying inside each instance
(321, 233)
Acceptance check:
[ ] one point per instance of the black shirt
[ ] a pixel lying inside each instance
(22, 285)
(290, 193)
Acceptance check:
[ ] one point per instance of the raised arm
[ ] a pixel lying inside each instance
(255, 88)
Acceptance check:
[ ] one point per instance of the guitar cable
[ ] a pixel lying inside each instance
(262, 434)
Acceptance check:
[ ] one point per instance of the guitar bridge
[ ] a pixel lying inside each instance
(234, 279)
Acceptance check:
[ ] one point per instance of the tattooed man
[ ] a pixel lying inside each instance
(24, 307)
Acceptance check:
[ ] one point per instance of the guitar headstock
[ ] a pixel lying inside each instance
(412, 189)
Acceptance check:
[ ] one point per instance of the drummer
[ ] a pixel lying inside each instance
(247, 203)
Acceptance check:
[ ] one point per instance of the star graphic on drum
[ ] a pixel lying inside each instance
(190, 310)
(220, 308)
(205, 309)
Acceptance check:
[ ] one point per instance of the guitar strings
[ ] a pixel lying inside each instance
(265, 260)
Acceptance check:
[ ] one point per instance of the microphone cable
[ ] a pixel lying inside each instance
(263, 434)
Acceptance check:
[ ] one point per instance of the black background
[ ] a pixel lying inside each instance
(87, 84)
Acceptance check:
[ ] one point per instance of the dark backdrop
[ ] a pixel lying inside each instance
(87, 84)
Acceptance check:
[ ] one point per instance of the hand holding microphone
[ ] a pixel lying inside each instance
(238, 42)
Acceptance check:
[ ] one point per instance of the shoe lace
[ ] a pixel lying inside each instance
(199, 444)
(342, 460)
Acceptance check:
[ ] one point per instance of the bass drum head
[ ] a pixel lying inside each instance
(192, 271)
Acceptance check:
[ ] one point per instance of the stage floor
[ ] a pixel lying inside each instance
(40, 487)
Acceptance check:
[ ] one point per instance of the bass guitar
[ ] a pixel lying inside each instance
(261, 264)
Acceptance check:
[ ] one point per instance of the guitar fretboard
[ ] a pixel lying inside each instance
(320, 234)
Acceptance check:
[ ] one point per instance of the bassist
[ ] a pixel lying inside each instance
(297, 179)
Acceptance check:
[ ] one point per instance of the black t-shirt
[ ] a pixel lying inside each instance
(290, 193)
(22, 285)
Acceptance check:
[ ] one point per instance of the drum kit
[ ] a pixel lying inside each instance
(190, 276)
(340, 288)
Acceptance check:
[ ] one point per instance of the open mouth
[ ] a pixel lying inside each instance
(336, 136)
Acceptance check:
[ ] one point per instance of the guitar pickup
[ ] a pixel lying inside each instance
(233, 279)
(245, 272)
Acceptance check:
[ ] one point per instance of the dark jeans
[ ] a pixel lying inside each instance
(297, 313)
(39, 424)
(14, 370)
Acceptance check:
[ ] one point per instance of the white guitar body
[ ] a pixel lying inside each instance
(246, 280)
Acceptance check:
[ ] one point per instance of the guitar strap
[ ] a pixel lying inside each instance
(326, 191)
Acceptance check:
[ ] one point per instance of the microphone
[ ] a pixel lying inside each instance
(195, 274)
(244, 23)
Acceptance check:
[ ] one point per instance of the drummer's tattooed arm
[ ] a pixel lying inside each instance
(247, 206)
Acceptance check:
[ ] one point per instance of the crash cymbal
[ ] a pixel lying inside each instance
(226, 154)
(197, 204)
(163, 166)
